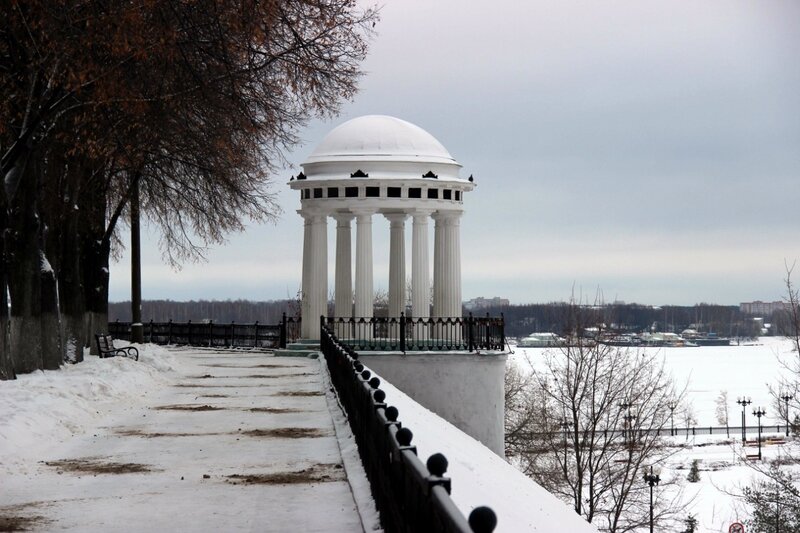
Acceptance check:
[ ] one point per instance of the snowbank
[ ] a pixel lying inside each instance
(44, 407)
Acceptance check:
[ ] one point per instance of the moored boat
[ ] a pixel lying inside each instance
(541, 340)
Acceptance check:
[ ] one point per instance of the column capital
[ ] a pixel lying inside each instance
(447, 215)
(343, 218)
(362, 212)
(396, 218)
(417, 212)
(312, 215)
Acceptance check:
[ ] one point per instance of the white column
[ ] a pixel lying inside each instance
(439, 244)
(420, 274)
(343, 306)
(318, 297)
(364, 293)
(452, 268)
(454, 230)
(305, 289)
(397, 263)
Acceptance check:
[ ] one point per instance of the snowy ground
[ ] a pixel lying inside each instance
(116, 444)
(181, 440)
(742, 371)
(206, 441)
(714, 500)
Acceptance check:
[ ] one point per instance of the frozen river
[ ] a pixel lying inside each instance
(740, 370)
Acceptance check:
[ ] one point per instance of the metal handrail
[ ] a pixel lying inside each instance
(410, 496)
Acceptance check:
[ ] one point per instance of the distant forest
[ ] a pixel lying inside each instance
(521, 320)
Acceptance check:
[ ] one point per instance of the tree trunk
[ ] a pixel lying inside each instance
(72, 303)
(72, 298)
(96, 286)
(23, 249)
(95, 250)
(6, 364)
(52, 349)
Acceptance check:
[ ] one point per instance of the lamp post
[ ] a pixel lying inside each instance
(652, 478)
(629, 418)
(625, 406)
(786, 397)
(759, 412)
(744, 402)
(671, 406)
(565, 424)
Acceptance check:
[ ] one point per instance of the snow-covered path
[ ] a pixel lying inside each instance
(229, 442)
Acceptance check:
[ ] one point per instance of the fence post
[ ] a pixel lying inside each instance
(189, 333)
(502, 331)
(255, 335)
(471, 333)
(169, 331)
(210, 333)
(402, 332)
(282, 339)
(233, 333)
(151, 332)
(488, 332)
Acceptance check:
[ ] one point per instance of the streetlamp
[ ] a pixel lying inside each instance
(565, 424)
(744, 402)
(759, 412)
(671, 406)
(786, 397)
(629, 418)
(625, 406)
(652, 478)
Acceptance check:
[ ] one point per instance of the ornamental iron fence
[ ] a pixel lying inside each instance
(406, 333)
(410, 496)
(214, 334)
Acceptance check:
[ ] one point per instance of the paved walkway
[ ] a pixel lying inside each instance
(241, 442)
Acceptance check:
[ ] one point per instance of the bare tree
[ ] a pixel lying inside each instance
(773, 499)
(786, 392)
(775, 502)
(689, 416)
(793, 303)
(722, 412)
(521, 411)
(192, 104)
(586, 426)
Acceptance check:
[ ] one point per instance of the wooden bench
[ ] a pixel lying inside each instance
(106, 348)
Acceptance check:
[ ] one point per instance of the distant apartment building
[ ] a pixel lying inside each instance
(480, 303)
(759, 308)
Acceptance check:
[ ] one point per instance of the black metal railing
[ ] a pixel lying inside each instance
(214, 334)
(692, 431)
(732, 431)
(405, 333)
(410, 496)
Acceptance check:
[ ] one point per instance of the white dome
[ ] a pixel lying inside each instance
(380, 138)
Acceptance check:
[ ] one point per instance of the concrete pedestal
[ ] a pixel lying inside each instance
(467, 390)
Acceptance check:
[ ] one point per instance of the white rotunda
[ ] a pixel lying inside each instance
(380, 165)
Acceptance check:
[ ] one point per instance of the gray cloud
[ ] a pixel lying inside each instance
(650, 148)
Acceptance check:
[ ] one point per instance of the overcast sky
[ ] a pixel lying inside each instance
(650, 150)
